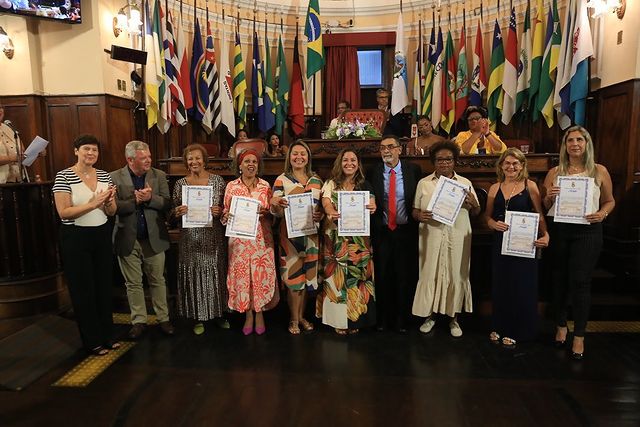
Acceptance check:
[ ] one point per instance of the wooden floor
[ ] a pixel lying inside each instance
(320, 379)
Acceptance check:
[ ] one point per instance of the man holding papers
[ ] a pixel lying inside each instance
(579, 193)
(394, 234)
(445, 250)
(347, 299)
(514, 212)
(251, 272)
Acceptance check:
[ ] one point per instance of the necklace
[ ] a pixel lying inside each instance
(507, 201)
(87, 175)
(576, 169)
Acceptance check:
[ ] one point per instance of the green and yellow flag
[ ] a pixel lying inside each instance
(239, 85)
(313, 31)
(536, 60)
(495, 94)
(281, 89)
(550, 65)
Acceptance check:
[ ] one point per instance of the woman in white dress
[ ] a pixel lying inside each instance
(444, 251)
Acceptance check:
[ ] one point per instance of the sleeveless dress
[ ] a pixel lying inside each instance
(514, 279)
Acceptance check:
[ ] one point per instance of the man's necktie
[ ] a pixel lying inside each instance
(392, 200)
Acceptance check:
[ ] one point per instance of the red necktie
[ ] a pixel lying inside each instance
(392, 200)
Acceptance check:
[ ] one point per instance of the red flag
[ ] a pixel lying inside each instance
(296, 102)
(479, 75)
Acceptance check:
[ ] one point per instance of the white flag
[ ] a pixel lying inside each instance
(399, 97)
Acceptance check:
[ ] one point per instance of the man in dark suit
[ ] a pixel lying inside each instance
(140, 234)
(395, 124)
(395, 234)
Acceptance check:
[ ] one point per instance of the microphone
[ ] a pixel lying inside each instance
(8, 123)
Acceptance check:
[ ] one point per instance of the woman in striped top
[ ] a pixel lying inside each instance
(84, 197)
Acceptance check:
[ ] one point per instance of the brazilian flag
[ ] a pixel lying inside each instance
(313, 31)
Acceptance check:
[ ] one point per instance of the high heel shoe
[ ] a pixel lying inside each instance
(260, 330)
(577, 356)
(559, 344)
(247, 330)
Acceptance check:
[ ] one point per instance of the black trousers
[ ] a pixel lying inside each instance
(395, 255)
(575, 250)
(88, 262)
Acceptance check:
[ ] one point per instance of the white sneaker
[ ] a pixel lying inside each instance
(427, 326)
(456, 331)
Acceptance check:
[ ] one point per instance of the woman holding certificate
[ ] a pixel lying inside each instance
(347, 299)
(251, 272)
(444, 250)
(515, 201)
(202, 260)
(298, 255)
(579, 197)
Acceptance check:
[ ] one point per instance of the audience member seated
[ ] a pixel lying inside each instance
(242, 136)
(274, 148)
(426, 138)
(479, 139)
(343, 106)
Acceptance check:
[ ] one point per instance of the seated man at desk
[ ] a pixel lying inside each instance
(343, 106)
(426, 138)
(479, 139)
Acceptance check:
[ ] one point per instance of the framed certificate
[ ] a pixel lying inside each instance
(523, 231)
(299, 215)
(198, 199)
(243, 218)
(447, 200)
(354, 216)
(575, 200)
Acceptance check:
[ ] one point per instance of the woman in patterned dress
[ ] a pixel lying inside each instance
(298, 255)
(347, 299)
(251, 273)
(202, 260)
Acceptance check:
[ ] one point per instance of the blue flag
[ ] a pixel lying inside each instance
(257, 85)
(199, 86)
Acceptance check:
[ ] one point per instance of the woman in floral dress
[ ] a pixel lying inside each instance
(251, 272)
(347, 299)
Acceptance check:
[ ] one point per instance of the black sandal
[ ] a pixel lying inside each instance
(112, 345)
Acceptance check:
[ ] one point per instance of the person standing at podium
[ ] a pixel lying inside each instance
(10, 152)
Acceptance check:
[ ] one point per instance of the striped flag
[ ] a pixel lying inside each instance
(550, 65)
(561, 101)
(510, 81)
(239, 84)
(399, 97)
(536, 60)
(416, 105)
(153, 77)
(478, 76)
(524, 63)
(212, 117)
(269, 85)
(313, 31)
(448, 87)
(177, 112)
(227, 116)
(184, 80)
(438, 70)
(462, 77)
(164, 118)
(583, 49)
(494, 91)
(296, 104)
(282, 88)
(428, 83)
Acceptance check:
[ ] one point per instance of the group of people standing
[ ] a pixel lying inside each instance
(215, 277)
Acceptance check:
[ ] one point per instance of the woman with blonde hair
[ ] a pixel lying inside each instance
(514, 279)
(576, 247)
(298, 255)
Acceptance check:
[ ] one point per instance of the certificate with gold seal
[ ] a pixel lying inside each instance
(575, 200)
(197, 198)
(354, 216)
(243, 218)
(523, 231)
(299, 215)
(447, 200)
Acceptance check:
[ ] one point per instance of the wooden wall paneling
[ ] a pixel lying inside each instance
(120, 130)
(62, 129)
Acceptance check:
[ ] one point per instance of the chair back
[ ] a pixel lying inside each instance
(518, 143)
(257, 144)
(377, 118)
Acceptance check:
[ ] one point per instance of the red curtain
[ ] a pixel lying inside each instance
(342, 80)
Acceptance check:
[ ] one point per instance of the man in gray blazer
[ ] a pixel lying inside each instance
(140, 235)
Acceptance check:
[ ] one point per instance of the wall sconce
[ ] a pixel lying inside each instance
(128, 19)
(602, 7)
(6, 44)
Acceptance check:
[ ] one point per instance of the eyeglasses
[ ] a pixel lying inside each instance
(474, 118)
(444, 160)
(388, 147)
